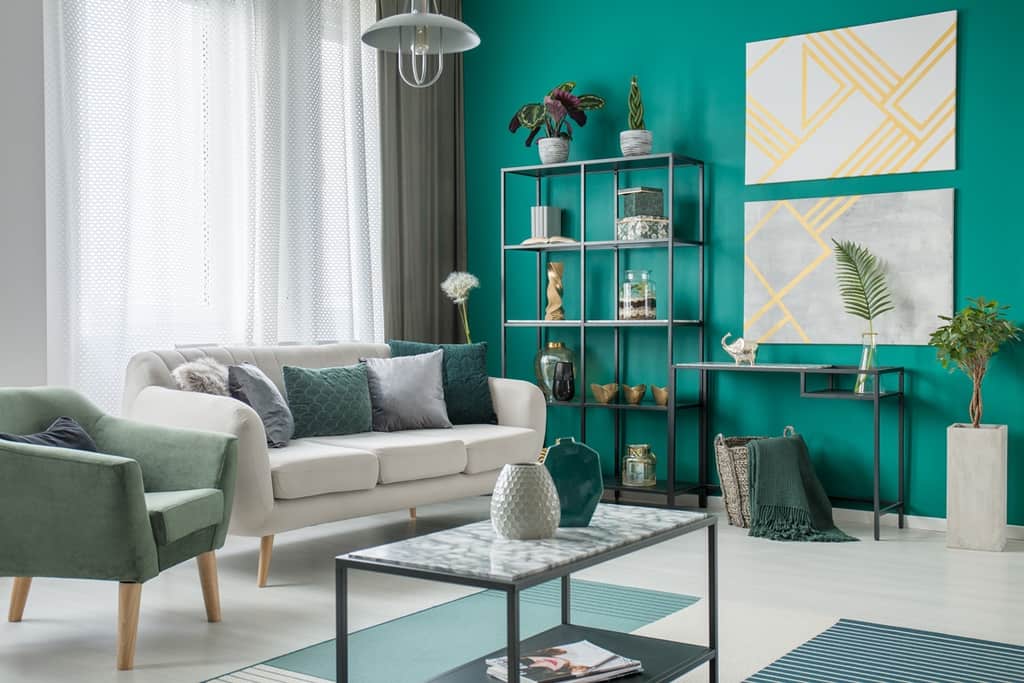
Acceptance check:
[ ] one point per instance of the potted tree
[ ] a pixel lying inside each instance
(637, 140)
(975, 452)
(553, 117)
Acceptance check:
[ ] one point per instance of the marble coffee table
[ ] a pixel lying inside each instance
(472, 555)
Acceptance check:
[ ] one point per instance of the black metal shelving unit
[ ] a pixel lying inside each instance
(668, 488)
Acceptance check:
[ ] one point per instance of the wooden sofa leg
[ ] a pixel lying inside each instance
(129, 595)
(19, 594)
(266, 550)
(412, 513)
(208, 580)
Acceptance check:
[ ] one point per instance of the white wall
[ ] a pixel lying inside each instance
(22, 195)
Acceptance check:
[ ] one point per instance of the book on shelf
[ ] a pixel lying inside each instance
(581, 662)
(548, 240)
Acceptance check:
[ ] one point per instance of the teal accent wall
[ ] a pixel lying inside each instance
(690, 59)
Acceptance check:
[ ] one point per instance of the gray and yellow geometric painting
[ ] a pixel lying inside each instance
(862, 100)
(789, 287)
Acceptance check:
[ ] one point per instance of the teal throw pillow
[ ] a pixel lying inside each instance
(329, 401)
(466, 390)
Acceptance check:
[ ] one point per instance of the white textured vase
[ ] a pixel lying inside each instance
(976, 487)
(634, 143)
(525, 503)
(553, 150)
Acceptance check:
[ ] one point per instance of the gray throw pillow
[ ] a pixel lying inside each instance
(407, 392)
(251, 386)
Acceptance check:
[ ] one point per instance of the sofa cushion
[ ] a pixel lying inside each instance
(176, 514)
(407, 392)
(490, 447)
(408, 456)
(467, 393)
(306, 468)
(328, 401)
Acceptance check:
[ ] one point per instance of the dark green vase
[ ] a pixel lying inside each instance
(576, 470)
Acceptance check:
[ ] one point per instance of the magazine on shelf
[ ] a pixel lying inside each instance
(581, 662)
(548, 240)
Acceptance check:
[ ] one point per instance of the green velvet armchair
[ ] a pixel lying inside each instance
(150, 499)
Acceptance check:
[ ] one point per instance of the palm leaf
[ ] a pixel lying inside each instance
(861, 280)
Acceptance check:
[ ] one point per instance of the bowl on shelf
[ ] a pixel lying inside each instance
(604, 393)
(660, 395)
(634, 394)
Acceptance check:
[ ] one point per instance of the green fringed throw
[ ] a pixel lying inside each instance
(787, 502)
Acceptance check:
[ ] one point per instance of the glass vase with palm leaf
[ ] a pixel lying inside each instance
(865, 293)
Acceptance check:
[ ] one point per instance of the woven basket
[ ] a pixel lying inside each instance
(732, 457)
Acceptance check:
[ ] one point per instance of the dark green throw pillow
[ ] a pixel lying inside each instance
(466, 391)
(329, 401)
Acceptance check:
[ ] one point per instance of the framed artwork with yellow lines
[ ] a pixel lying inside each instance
(789, 286)
(863, 100)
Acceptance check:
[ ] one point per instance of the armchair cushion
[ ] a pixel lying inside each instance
(176, 514)
(64, 432)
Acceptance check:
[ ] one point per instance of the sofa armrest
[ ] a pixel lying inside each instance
(73, 514)
(519, 404)
(253, 493)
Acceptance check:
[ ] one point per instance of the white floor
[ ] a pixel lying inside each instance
(774, 596)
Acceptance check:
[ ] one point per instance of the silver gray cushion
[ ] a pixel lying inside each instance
(251, 385)
(407, 392)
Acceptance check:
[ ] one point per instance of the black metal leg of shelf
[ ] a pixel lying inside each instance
(567, 599)
(713, 602)
(876, 492)
(341, 630)
(901, 495)
(512, 635)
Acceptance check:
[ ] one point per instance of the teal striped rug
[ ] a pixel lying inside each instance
(861, 652)
(422, 645)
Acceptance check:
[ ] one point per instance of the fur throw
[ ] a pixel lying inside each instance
(204, 375)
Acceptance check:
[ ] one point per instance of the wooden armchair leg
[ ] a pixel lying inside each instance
(412, 513)
(129, 595)
(266, 549)
(208, 580)
(19, 594)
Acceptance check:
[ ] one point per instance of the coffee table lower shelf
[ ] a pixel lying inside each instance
(663, 660)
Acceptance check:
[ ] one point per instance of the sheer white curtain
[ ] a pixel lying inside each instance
(212, 176)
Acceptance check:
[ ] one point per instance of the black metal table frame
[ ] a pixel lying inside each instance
(513, 588)
(876, 396)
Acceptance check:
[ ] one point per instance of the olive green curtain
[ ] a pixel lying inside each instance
(423, 188)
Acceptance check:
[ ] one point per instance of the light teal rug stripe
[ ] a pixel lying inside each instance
(422, 645)
(861, 652)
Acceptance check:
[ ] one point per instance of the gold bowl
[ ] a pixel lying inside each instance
(604, 393)
(634, 394)
(660, 395)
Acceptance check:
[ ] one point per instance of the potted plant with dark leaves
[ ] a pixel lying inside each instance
(554, 116)
(975, 452)
(637, 140)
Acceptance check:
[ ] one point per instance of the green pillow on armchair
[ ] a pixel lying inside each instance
(149, 499)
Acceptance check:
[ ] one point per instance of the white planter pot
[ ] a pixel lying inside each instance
(976, 487)
(525, 503)
(553, 150)
(635, 142)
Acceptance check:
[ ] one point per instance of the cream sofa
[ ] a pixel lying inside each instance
(325, 479)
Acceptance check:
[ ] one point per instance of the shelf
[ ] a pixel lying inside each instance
(663, 660)
(610, 165)
(806, 368)
(644, 405)
(848, 395)
(600, 323)
(660, 487)
(604, 245)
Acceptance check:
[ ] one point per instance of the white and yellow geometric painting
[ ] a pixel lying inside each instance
(864, 100)
(789, 286)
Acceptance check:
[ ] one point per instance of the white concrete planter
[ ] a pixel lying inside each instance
(553, 150)
(635, 142)
(976, 487)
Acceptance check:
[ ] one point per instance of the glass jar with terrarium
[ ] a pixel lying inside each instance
(638, 467)
(637, 300)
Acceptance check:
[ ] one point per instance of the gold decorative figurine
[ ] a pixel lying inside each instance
(554, 308)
